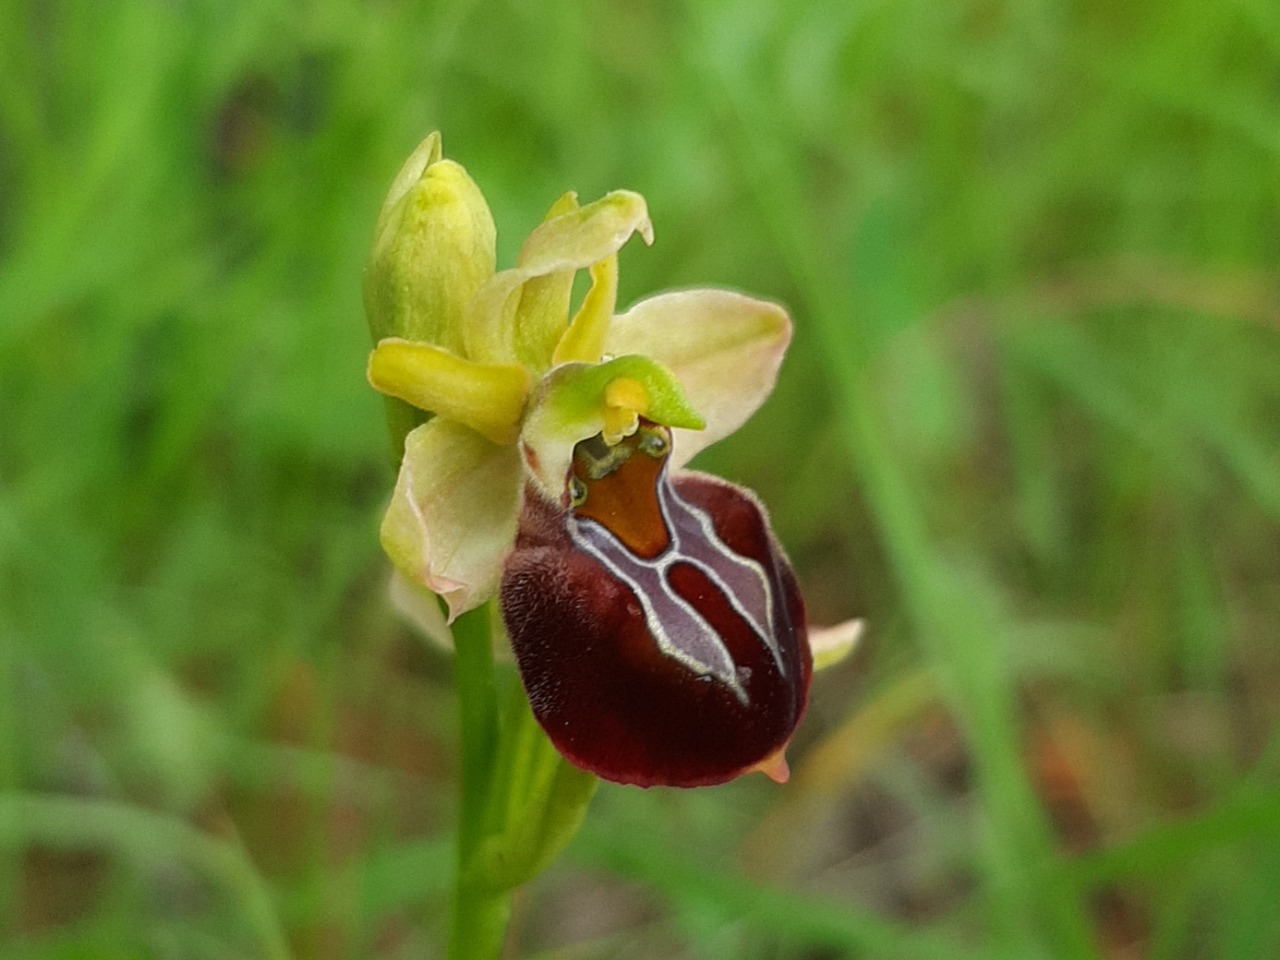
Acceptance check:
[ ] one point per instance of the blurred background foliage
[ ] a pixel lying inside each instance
(1030, 428)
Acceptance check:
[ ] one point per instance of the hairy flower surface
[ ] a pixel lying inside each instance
(655, 620)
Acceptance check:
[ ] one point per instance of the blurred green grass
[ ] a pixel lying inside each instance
(1030, 428)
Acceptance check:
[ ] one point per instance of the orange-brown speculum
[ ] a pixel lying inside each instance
(620, 489)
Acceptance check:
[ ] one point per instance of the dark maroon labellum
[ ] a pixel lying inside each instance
(656, 622)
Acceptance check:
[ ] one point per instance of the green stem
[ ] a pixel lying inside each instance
(536, 803)
(479, 923)
(479, 914)
(521, 802)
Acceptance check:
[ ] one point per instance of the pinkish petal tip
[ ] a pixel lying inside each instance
(775, 766)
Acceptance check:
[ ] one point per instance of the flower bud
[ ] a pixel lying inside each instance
(433, 248)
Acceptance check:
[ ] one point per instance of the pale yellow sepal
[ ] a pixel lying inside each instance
(452, 518)
(724, 349)
(579, 238)
(420, 607)
(489, 398)
(567, 202)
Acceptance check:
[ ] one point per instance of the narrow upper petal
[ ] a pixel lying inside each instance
(544, 303)
(452, 518)
(724, 348)
(504, 325)
(583, 342)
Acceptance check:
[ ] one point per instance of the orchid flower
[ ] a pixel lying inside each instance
(655, 620)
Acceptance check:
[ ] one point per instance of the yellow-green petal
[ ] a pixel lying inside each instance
(583, 342)
(489, 398)
(543, 305)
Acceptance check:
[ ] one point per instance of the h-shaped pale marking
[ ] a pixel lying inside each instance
(693, 540)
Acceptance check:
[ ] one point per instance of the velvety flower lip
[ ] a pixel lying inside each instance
(512, 382)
